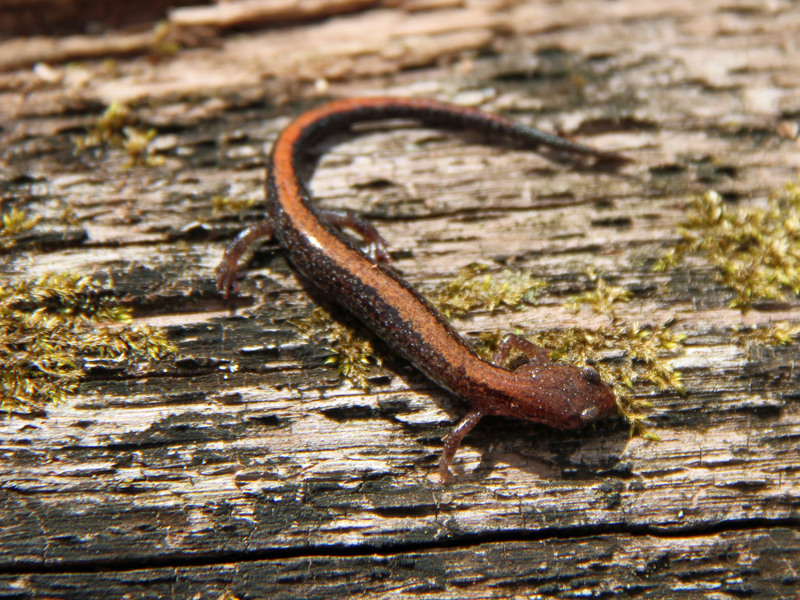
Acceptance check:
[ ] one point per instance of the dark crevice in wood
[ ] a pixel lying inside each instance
(462, 542)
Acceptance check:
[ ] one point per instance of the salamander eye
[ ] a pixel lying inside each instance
(590, 375)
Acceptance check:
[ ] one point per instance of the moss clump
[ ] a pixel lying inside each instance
(756, 251)
(774, 334)
(107, 130)
(601, 299)
(136, 144)
(115, 128)
(226, 204)
(474, 289)
(50, 326)
(352, 354)
(13, 223)
(165, 41)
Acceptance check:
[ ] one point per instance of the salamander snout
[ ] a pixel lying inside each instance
(600, 401)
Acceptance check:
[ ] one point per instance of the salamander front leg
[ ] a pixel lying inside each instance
(453, 441)
(229, 265)
(376, 245)
(536, 356)
(534, 353)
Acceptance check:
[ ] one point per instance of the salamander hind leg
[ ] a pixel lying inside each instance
(229, 265)
(376, 246)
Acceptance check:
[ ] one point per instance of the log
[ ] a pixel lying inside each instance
(246, 466)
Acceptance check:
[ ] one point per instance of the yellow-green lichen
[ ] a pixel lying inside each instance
(50, 326)
(755, 250)
(13, 223)
(352, 354)
(473, 289)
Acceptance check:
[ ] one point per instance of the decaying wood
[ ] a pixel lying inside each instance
(62, 17)
(245, 466)
(253, 12)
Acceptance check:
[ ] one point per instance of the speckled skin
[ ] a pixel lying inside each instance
(557, 394)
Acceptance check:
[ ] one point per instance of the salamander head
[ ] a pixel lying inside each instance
(564, 396)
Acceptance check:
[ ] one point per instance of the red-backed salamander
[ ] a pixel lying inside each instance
(557, 394)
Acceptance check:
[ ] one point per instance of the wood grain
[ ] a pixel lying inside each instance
(245, 466)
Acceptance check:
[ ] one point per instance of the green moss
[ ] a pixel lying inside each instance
(136, 144)
(165, 43)
(226, 204)
(50, 326)
(13, 223)
(756, 251)
(473, 289)
(352, 354)
(107, 130)
(115, 128)
(775, 334)
(601, 299)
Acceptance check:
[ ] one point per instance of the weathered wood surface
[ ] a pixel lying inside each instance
(245, 466)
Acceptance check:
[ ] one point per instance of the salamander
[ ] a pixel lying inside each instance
(557, 394)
